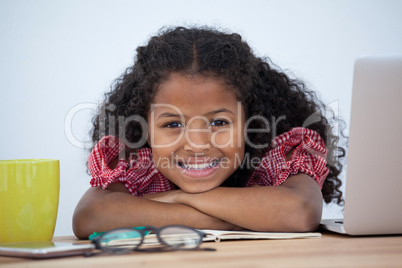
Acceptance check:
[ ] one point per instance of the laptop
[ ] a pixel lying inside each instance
(373, 189)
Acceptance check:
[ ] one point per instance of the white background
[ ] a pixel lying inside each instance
(55, 55)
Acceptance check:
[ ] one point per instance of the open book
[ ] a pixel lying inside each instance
(218, 235)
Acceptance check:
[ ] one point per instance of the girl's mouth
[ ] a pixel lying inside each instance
(199, 170)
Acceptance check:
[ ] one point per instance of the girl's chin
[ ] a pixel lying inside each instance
(196, 190)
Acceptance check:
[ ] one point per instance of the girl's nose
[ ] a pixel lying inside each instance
(197, 140)
(197, 148)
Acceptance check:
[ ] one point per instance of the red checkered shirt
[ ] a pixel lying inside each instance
(141, 176)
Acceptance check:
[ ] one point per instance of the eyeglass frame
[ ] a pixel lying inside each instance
(143, 231)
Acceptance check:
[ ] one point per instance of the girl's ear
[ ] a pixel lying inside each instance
(149, 140)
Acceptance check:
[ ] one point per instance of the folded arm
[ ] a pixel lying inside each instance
(101, 210)
(296, 206)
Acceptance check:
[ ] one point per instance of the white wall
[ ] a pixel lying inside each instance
(55, 55)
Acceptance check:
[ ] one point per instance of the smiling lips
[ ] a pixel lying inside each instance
(200, 169)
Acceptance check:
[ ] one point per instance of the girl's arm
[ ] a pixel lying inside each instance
(296, 206)
(101, 210)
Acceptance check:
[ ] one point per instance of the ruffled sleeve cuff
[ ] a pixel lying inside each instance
(308, 156)
(140, 177)
(107, 149)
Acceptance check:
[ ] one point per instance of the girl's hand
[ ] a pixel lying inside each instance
(179, 197)
(171, 197)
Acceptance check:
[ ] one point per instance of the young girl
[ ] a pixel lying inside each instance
(201, 132)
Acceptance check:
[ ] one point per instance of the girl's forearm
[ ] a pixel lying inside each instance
(293, 207)
(101, 210)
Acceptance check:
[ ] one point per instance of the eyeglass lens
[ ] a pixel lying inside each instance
(121, 239)
(180, 237)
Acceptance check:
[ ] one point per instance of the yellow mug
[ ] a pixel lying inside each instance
(29, 199)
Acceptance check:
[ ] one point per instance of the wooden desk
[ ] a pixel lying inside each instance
(329, 251)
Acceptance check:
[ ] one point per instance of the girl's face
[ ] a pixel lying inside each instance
(196, 128)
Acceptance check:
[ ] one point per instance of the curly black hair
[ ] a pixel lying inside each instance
(262, 88)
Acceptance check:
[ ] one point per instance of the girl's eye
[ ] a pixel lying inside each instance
(173, 125)
(218, 123)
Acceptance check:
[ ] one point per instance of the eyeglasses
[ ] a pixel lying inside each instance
(170, 237)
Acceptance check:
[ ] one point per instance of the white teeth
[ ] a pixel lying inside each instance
(198, 166)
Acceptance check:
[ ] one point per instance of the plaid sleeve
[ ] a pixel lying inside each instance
(140, 177)
(107, 149)
(308, 156)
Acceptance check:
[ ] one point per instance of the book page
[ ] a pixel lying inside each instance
(218, 235)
